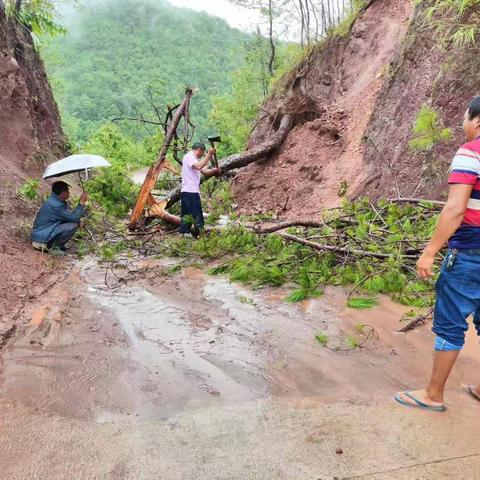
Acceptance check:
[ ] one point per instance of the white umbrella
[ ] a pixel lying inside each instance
(74, 163)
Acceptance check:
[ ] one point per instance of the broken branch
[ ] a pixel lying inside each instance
(332, 248)
(261, 228)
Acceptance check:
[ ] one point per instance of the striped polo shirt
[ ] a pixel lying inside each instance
(465, 169)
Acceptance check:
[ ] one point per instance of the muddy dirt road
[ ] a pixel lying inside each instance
(189, 377)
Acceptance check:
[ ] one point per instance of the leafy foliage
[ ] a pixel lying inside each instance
(428, 130)
(112, 187)
(29, 190)
(308, 281)
(37, 15)
(361, 303)
(217, 198)
(269, 260)
(118, 48)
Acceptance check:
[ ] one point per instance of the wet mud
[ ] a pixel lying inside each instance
(151, 347)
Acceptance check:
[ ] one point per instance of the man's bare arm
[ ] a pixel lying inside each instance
(210, 172)
(450, 219)
(201, 164)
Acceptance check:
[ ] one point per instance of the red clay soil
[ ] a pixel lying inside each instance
(423, 73)
(30, 136)
(322, 157)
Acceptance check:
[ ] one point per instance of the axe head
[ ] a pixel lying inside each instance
(214, 138)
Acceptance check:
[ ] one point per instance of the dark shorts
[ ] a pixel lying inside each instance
(192, 213)
(458, 297)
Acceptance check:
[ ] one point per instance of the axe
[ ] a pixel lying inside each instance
(212, 139)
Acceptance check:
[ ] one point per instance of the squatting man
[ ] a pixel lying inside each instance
(56, 222)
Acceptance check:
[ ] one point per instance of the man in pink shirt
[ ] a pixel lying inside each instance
(193, 166)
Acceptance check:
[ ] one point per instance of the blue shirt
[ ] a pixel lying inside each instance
(53, 213)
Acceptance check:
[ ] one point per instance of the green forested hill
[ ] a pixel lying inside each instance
(115, 49)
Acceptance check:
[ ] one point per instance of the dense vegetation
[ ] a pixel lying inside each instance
(117, 51)
(132, 59)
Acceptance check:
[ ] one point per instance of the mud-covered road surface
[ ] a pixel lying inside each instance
(185, 376)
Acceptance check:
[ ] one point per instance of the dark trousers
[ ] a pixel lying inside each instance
(65, 232)
(192, 213)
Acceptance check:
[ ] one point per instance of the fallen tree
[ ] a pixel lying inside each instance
(239, 160)
(148, 207)
(145, 197)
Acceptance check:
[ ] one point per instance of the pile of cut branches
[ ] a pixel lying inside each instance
(384, 230)
(369, 247)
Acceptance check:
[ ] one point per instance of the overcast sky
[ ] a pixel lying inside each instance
(238, 17)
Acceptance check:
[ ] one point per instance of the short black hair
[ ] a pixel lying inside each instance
(474, 108)
(198, 146)
(59, 187)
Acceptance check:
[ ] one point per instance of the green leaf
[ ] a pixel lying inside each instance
(322, 339)
(352, 342)
(302, 294)
(218, 270)
(362, 303)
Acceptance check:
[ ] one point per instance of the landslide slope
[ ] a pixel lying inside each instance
(355, 100)
(30, 137)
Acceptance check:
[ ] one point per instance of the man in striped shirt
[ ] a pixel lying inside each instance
(458, 286)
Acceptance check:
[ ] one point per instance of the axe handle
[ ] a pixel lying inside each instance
(214, 159)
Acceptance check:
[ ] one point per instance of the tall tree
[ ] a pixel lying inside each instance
(310, 19)
(268, 9)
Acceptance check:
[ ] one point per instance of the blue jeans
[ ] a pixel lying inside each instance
(65, 232)
(458, 297)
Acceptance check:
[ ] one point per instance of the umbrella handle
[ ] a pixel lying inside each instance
(81, 181)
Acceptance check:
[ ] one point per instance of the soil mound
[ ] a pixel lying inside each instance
(30, 137)
(355, 101)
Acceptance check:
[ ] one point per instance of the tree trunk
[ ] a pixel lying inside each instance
(154, 171)
(243, 159)
(271, 65)
(302, 23)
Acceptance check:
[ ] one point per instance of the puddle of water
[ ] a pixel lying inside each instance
(167, 342)
(152, 349)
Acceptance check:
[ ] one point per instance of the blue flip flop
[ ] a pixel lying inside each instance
(418, 403)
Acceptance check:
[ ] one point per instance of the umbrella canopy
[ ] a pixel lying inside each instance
(74, 163)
